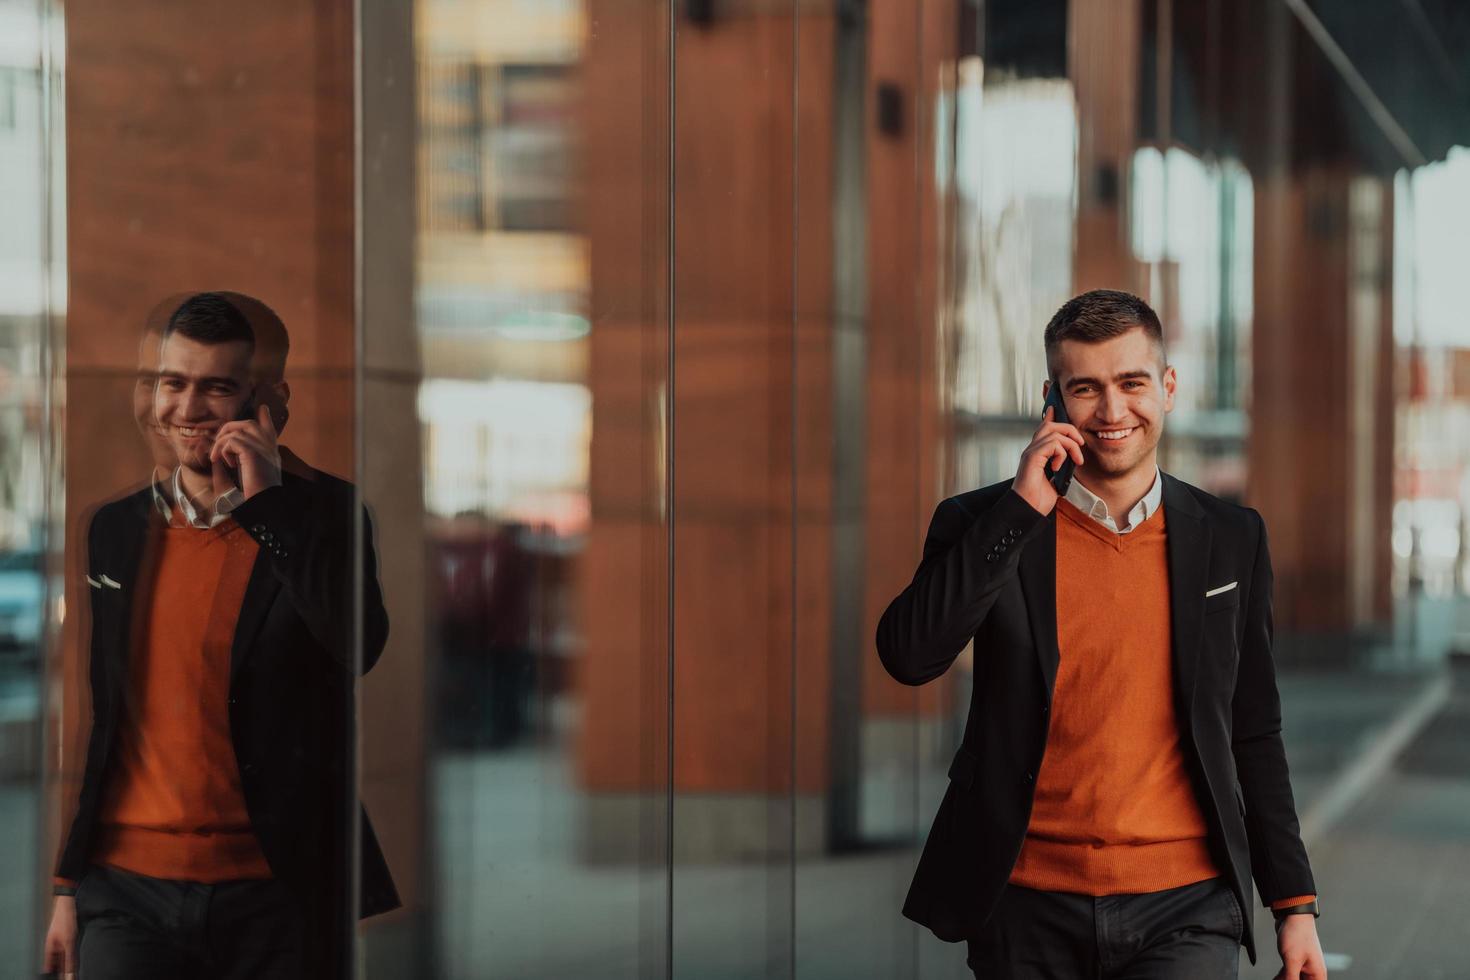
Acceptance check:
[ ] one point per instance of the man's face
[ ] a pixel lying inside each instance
(200, 388)
(1117, 392)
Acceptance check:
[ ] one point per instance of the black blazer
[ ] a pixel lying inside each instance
(292, 671)
(989, 573)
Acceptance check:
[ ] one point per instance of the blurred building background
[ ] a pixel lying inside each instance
(652, 333)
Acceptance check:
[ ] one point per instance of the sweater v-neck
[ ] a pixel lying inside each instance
(1153, 525)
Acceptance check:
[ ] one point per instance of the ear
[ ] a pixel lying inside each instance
(1171, 383)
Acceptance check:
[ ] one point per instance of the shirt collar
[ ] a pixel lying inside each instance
(1093, 506)
(223, 505)
(161, 502)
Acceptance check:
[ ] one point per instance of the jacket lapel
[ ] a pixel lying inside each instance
(1189, 540)
(1038, 573)
(131, 547)
(260, 592)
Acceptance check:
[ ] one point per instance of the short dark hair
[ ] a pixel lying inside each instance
(209, 318)
(224, 316)
(1100, 315)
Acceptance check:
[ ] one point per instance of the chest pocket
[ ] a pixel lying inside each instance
(1223, 601)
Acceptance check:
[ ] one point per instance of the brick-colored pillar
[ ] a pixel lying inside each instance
(911, 63)
(749, 404)
(1321, 445)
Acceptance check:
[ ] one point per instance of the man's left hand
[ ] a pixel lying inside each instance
(1301, 952)
(249, 447)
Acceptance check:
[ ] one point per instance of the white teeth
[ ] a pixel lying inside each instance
(1115, 436)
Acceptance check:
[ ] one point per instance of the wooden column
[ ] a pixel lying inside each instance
(1322, 401)
(1104, 40)
(748, 402)
(911, 63)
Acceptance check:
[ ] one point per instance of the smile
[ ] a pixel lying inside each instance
(191, 432)
(1115, 435)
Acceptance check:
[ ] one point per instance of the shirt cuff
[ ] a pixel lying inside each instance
(1286, 903)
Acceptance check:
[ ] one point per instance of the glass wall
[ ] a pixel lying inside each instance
(32, 304)
(649, 336)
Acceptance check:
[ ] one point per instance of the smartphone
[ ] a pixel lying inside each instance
(246, 413)
(1060, 479)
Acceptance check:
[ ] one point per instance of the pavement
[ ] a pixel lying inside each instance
(1392, 869)
(1387, 856)
(515, 901)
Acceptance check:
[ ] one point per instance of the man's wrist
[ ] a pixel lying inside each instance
(1306, 908)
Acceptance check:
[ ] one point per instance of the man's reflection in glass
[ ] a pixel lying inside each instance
(211, 836)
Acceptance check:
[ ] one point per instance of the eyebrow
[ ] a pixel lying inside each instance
(1124, 376)
(206, 380)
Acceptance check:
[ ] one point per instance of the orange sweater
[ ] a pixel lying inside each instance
(1114, 811)
(174, 807)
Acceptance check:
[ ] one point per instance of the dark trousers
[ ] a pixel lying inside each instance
(134, 927)
(1189, 933)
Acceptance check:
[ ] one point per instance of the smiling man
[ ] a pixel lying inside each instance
(213, 834)
(1121, 778)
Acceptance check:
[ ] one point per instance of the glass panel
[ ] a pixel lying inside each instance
(204, 683)
(32, 270)
(516, 451)
(735, 364)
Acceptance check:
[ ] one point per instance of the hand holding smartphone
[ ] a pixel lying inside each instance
(245, 454)
(1045, 471)
(1060, 478)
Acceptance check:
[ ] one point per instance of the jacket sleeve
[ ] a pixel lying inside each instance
(306, 533)
(966, 563)
(1278, 857)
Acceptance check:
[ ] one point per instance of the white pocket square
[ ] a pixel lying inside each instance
(1223, 588)
(93, 582)
(110, 583)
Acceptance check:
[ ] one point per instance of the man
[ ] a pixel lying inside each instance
(214, 832)
(1121, 774)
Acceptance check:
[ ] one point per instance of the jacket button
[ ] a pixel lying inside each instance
(1031, 777)
(990, 557)
(258, 528)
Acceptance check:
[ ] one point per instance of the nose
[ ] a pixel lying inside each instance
(1112, 407)
(190, 406)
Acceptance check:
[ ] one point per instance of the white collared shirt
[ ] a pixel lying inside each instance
(1093, 506)
(223, 504)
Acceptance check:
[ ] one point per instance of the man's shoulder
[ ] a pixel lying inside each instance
(319, 481)
(128, 505)
(1217, 511)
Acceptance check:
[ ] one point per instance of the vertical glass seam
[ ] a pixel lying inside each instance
(49, 635)
(918, 300)
(670, 468)
(359, 472)
(795, 457)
